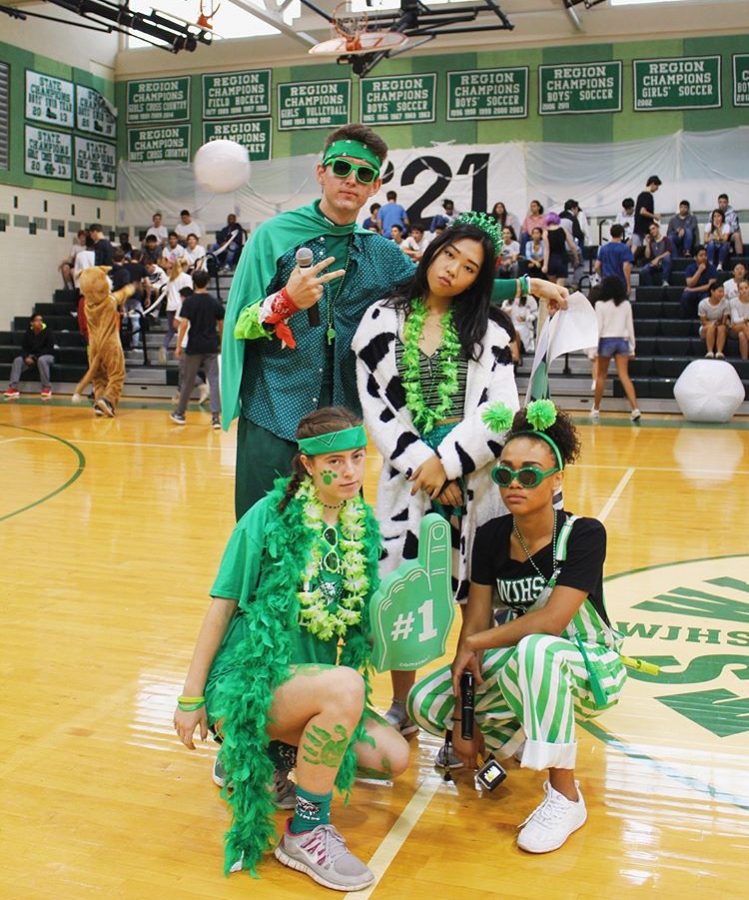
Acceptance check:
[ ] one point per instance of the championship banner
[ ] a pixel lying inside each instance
(487, 94)
(741, 79)
(314, 104)
(691, 82)
(398, 99)
(95, 163)
(48, 154)
(580, 88)
(254, 134)
(154, 145)
(92, 113)
(234, 95)
(158, 100)
(49, 100)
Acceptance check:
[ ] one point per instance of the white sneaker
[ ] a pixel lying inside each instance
(595, 414)
(552, 822)
(398, 718)
(709, 354)
(204, 394)
(720, 355)
(635, 415)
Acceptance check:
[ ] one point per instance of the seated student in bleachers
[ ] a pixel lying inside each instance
(732, 220)
(657, 267)
(118, 274)
(523, 312)
(125, 245)
(372, 222)
(194, 253)
(231, 237)
(103, 249)
(615, 259)
(714, 314)
(37, 349)
(134, 305)
(718, 240)
(67, 266)
(157, 230)
(159, 281)
(534, 253)
(152, 250)
(731, 287)
(416, 243)
(616, 337)
(396, 235)
(534, 219)
(738, 326)
(509, 253)
(626, 218)
(683, 231)
(700, 275)
(187, 226)
(172, 252)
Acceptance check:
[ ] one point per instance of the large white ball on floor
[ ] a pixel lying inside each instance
(709, 390)
(221, 166)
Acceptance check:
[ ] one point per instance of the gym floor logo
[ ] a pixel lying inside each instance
(692, 620)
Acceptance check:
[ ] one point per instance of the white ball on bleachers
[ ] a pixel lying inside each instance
(222, 166)
(709, 390)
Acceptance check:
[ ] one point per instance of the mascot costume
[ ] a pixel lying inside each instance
(106, 361)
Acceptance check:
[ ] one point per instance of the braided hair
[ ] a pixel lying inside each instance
(321, 421)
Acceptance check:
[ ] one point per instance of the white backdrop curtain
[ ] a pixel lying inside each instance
(695, 166)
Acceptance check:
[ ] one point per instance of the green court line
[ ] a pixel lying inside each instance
(664, 768)
(74, 477)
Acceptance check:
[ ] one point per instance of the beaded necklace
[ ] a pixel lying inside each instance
(527, 552)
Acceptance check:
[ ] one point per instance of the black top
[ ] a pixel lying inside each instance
(119, 276)
(519, 585)
(642, 223)
(557, 240)
(202, 311)
(103, 251)
(38, 343)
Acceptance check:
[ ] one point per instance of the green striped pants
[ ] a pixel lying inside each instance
(532, 692)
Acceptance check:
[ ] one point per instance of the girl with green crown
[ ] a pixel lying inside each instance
(557, 658)
(282, 658)
(432, 364)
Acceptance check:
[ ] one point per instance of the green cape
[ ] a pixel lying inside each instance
(251, 283)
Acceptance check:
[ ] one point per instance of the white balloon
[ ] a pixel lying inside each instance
(709, 390)
(222, 166)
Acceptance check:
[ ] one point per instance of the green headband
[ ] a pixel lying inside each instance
(544, 437)
(334, 441)
(483, 221)
(354, 149)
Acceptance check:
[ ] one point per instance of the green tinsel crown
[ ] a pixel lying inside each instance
(498, 417)
(483, 221)
(541, 414)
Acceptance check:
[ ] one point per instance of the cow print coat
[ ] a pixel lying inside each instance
(467, 451)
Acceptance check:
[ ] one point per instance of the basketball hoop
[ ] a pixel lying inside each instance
(351, 36)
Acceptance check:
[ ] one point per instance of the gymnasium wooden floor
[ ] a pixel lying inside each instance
(111, 531)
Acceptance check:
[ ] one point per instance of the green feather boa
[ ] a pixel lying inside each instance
(260, 664)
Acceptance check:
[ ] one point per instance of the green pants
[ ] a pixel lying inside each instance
(261, 458)
(533, 692)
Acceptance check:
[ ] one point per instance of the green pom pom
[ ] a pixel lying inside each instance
(498, 417)
(541, 414)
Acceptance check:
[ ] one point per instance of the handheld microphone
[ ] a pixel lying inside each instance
(467, 699)
(304, 261)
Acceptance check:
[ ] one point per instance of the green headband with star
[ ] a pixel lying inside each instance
(334, 441)
(353, 149)
(483, 221)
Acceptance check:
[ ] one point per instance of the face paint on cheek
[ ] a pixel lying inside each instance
(328, 476)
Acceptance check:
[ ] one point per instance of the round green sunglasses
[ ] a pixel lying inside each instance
(342, 168)
(527, 476)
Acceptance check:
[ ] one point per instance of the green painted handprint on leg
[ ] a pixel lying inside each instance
(322, 748)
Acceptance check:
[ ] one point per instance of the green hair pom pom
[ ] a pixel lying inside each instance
(541, 414)
(498, 417)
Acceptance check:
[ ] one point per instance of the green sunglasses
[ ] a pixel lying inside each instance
(527, 476)
(342, 168)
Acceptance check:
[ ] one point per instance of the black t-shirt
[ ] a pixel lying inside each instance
(119, 276)
(137, 272)
(202, 311)
(645, 200)
(519, 585)
(103, 251)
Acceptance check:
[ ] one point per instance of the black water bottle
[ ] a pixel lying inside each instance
(467, 699)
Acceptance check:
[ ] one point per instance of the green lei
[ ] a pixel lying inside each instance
(449, 352)
(260, 664)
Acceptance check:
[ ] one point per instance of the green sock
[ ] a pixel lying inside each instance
(311, 810)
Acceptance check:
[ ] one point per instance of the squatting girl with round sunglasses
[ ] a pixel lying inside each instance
(557, 658)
